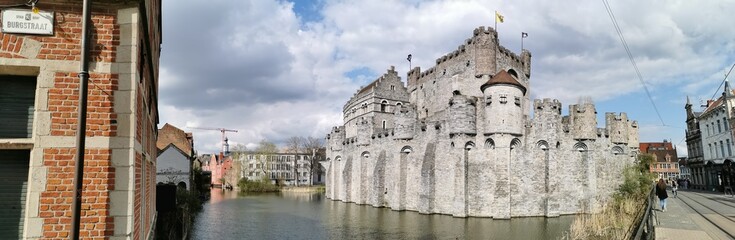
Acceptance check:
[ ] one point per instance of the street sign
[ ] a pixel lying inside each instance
(25, 21)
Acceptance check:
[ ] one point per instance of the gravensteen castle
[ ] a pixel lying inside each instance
(459, 140)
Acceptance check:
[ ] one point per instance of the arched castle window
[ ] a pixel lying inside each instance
(338, 158)
(469, 145)
(543, 145)
(383, 124)
(617, 150)
(365, 155)
(580, 146)
(515, 143)
(406, 149)
(456, 92)
(384, 106)
(489, 143)
(513, 73)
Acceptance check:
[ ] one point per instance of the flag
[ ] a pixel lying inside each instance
(498, 17)
(524, 35)
(409, 57)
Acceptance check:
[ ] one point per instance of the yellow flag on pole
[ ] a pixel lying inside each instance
(498, 17)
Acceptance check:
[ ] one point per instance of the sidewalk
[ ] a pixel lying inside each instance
(681, 222)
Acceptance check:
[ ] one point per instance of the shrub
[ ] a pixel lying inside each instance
(262, 185)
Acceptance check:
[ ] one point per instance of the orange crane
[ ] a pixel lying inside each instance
(223, 130)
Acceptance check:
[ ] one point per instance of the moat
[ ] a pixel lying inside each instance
(229, 215)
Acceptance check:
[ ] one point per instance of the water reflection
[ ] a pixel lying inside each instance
(229, 215)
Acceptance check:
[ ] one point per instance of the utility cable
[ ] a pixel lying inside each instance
(723, 81)
(632, 60)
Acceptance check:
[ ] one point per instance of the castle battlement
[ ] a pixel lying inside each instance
(460, 140)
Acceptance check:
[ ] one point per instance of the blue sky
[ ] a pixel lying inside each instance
(275, 69)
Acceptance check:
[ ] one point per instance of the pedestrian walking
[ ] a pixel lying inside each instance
(674, 187)
(661, 194)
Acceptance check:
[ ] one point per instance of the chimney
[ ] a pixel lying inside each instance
(221, 157)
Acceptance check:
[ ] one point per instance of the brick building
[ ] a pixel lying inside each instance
(39, 96)
(666, 161)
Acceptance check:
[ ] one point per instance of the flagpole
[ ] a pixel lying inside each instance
(523, 35)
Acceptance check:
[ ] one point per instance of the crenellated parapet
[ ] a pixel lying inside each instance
(546, 106)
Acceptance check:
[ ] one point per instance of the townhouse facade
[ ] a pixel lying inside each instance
(709, 137)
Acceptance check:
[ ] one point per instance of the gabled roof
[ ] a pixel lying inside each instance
(169, 134)
(171, 145)
(503, 77)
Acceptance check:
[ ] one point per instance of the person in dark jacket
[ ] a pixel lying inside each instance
(661, 193)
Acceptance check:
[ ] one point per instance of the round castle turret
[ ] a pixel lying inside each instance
(462, 109)
(503, 99)
(405, 117)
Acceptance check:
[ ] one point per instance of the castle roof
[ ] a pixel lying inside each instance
(503, 77)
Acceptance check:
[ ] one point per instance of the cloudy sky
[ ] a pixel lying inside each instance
(275, 69)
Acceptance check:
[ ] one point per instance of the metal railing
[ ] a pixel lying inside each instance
(643, 229)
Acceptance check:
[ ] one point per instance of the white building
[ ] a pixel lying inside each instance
(280, 167)
(175, 156)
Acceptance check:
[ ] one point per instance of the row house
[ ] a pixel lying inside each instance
(40, 58)
(709, 137)
(665, 161)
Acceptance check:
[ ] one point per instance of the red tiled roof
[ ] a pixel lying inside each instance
(644, 146)
(502, 77)
(169, 134)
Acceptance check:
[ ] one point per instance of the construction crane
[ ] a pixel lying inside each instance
(225, 148)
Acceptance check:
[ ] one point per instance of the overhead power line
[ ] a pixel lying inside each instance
(630, 56)
(723, 81)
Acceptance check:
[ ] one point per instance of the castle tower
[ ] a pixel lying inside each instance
(485, 41)
(503, 100)
(405, 118)
(462, 109)
(617, 127)
(583, 121)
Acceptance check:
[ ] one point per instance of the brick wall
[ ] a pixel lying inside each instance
(63, 100)
(55, 202)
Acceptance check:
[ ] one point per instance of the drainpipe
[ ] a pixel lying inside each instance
(81, 123)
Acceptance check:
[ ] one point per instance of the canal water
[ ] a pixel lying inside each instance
(229, 215)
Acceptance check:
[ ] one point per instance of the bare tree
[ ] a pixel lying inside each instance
(265, 152)
(315, 147)
(294, 145)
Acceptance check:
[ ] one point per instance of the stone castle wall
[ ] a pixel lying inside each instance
(455, 149)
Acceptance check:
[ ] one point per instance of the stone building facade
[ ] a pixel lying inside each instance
(38, 124)
(458, 140)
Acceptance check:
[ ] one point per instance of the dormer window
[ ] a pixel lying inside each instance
(503, 98)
